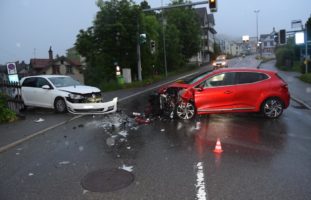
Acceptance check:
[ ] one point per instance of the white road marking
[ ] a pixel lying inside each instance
(200, 185)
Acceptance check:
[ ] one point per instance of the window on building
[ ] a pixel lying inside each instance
(271, 43)
(69, 69)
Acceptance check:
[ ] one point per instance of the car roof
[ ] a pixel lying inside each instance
(45, 76)
(245, 69)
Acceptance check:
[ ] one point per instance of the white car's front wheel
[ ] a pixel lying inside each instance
(60, 105)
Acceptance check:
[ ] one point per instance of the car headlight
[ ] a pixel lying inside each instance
(75, 96)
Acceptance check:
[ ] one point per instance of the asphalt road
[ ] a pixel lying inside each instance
(170, 159)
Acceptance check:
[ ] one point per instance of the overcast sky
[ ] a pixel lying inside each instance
(29, 27)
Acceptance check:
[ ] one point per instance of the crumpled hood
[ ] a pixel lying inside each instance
(80, 89)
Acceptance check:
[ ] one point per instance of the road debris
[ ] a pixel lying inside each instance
(127, 168)
(110, 141)
(142, 120)
(39, 120)
(64, 163)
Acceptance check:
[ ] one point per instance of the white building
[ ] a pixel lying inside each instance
(208, 36)
(267, 42)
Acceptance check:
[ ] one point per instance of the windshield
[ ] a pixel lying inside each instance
(194, 79)
(63, 81)
(221, 58)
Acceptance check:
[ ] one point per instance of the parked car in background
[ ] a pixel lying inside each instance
(232, 91)
(63, 93)
(220, 62)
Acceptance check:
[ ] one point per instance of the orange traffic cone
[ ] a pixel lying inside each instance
(218, 148)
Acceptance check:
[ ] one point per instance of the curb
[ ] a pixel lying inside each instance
(292, 97)
(301, 102)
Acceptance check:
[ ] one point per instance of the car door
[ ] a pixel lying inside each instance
(249, 87)
(28, 86)
(215, 94)
(43, 97)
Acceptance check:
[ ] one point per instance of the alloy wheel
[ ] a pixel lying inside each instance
(185, 110)
(272, 108)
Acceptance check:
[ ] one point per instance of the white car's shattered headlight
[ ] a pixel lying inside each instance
(75, 96)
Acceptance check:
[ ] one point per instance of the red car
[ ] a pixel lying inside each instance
(233, 90)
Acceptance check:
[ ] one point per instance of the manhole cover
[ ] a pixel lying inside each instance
(107, 180)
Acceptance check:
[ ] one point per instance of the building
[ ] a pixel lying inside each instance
(207, 22)
(58, 65)
(267, 43)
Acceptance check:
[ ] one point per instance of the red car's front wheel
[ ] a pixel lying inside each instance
(185, 110)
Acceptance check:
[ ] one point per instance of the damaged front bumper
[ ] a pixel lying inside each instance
(92, 108)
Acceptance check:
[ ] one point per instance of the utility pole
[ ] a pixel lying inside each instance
(164, 42)
(306, 60)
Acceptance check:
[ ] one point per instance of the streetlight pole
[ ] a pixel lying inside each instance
(257, 11)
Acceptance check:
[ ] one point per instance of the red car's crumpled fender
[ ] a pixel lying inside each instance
(188, 95)
(163, 89)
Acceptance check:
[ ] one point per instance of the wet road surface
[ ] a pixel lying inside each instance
(170, 159)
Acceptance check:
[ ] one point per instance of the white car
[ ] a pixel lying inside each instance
(63, 93)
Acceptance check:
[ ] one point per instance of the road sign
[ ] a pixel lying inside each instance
(11, 67)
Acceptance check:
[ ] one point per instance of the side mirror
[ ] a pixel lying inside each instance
(200, 89)
(46, 87)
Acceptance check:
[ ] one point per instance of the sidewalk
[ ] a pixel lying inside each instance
(299, 90)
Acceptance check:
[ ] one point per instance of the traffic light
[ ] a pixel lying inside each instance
(152, 46)
(282, 36)
(213, 5)
(142, 38)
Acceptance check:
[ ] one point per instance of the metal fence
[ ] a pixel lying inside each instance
(12, 93)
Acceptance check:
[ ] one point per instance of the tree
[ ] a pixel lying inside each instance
(114, 35)
(186, 21)
(111, 40)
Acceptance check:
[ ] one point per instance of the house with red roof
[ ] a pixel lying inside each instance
(59, 65)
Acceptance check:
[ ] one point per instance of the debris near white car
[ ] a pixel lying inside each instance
(63, 93)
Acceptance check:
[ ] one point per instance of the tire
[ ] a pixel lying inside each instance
(185, 111)
(60, 105)
(272, 108)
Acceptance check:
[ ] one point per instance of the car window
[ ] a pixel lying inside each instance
(30, 82)
(219, 80)
(41, 82)
(250, 77)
